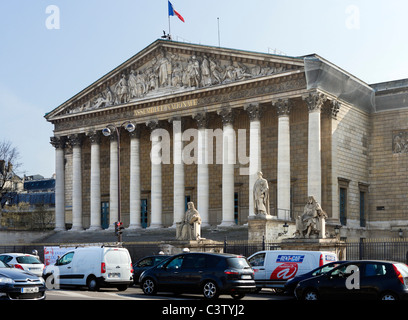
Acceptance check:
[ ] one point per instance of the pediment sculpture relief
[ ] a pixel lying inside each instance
(171, 73)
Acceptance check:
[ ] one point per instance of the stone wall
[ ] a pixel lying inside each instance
(388, 173)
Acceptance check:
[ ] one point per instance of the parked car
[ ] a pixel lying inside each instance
(274, 267)
(291, 284)
(146, 263)
(94, 267)
(23, 261)
(364, 279)
(208, 273)
(17, 284)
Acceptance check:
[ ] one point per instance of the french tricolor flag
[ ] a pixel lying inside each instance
(173, 12)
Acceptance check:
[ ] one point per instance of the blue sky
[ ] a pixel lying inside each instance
(40, 68)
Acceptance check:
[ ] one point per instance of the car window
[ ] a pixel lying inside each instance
(375, 269)
(175, 263)
(6, 258)
(345, 270)
(238, 263)
(145, 262)
(325, 269)
(159, 259)
(66, 259)
(257, 260)
(194, 261)
(28, 260)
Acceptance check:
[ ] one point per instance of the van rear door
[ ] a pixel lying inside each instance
(117, 264)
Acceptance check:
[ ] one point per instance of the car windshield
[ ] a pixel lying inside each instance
(325, 269)
(27, 260)
(3, 265)
(238, 263)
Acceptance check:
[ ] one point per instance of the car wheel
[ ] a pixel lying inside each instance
(311, 294)
(210, 290)
(149, 287)
(237, 296)
(388, 296)
(92, 284)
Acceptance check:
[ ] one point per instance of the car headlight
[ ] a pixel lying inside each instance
(5, 280)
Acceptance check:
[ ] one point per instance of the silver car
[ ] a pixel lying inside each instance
(22, 261)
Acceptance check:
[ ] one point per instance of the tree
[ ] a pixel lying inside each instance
(9, 157)
(10, 154)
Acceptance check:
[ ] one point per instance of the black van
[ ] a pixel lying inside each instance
(211, 274)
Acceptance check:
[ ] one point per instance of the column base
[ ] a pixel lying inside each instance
(76, 229)
(94, 228)
(155, 226)
(227, 224)
(134, 227)
(57, 229)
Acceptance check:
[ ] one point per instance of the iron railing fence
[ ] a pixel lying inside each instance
(375, 249)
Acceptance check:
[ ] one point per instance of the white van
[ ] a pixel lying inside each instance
(273, 268)
(94, 267)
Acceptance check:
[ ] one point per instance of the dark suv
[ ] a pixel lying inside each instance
(208, 273)
(362, 279)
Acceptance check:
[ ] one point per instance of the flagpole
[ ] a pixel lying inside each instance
(169, 29)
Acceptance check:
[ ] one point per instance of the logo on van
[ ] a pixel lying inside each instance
(290, 258)
(285, 271)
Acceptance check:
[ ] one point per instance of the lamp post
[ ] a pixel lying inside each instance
(130, 127)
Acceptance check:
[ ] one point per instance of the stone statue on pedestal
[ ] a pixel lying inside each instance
(312, 223)
(190, 227)
(261, 196)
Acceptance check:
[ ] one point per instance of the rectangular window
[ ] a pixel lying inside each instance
(343, 206)
(362, 208)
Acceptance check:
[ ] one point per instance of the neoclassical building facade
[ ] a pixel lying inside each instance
(197, 123)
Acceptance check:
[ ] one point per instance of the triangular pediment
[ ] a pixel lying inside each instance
(168, 68)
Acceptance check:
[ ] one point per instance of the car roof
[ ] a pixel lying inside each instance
(224, 255)
(16, 254)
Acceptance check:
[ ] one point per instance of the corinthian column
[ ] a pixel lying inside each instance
(95, 138)
(178, 174)
(76, 143)
(134, 188)
(113, 181)
(314, 173)
(59, 145)
(228, 163)
(156, 178)
(203, 187)
(283, 181)
(255, 163)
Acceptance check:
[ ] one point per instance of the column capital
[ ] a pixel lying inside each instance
(136, 133)
(58, 142)
(75, 140)
(201, 118)
(227, 115)
(283, 107)
(94, 136)
(254, 111)
(315, 101)
(152, 124)
(334, 108)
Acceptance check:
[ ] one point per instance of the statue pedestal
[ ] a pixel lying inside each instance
(267, 226)
(202, 245)
(328, 244)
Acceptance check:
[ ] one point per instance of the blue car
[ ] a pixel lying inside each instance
(291, 284)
